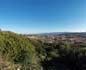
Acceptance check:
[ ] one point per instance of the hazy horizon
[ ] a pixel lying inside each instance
(46, 32)
(43, 16)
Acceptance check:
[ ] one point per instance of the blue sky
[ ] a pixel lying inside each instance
(37, 16)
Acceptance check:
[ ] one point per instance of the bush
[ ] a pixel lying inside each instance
(17, 49)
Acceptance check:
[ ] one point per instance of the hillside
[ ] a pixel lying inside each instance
(18, 52)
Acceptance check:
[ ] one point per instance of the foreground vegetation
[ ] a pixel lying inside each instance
(19, 52)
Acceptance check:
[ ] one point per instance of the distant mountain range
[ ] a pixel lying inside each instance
(56, 33)
(51, 33)
(82, 34)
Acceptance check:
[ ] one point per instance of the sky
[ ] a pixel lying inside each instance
(40, 16)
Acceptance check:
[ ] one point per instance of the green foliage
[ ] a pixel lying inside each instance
(17, 49)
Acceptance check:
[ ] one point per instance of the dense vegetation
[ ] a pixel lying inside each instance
(19, 52)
